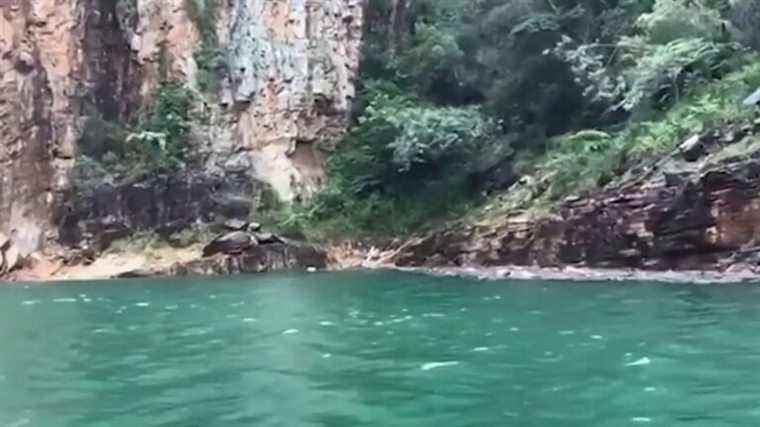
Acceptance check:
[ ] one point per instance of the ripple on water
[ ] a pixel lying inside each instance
(435, 365)
(433, 315)
(464, 363)
(20, 423)
(640, 362)
(142, 304)
(402, 319)
(196, 331)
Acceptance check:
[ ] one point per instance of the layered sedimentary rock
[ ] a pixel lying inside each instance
(257, 259)
(164, 204)
(696, 209)
(285, 91)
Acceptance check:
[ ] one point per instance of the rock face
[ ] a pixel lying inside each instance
(291, 68)
(10, 258)
(692, 212)
(235, 242)
(164, 204)
(284, 92)
(255, 259)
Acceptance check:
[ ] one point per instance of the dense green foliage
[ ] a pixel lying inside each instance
(156, 142)
(464, 97)
(403, 162)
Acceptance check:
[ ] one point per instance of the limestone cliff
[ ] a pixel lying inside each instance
(285, 85)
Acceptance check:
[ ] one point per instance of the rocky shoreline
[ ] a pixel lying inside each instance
(296, 256)
(695, 210)
(691, 216)
(242, 249)
(579, 275)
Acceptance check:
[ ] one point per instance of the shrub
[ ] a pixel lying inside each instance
(589, 159)
(403, 164)
(157, 142)
(432, 60)
(398, 139)
(672, 20)
(657, 72)
(167, 125)
(677, 44)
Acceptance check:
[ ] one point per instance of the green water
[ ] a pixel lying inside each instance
(378, 349)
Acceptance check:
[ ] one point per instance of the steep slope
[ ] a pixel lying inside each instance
(695, 209)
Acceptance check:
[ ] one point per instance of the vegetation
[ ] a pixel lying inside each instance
(209, 56)
(156, 142)
(534, 100)
(556, 97)
(398, 141)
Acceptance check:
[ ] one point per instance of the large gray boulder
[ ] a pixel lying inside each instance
(692, 149)
(236, 225)
(267, 238)
(232, 243)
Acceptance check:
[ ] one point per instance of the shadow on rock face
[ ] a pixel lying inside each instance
(162, 204)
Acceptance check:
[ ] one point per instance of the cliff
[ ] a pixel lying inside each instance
(695, 209)
(272, 79)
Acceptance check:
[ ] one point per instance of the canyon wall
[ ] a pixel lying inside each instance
(283, 96)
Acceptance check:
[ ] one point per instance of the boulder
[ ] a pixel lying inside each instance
(254, 227)
(235, 242)
(692, 149)
(236, 225)
(257, 259)
(267, 238)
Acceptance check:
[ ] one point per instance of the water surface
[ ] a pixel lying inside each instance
(378, 349)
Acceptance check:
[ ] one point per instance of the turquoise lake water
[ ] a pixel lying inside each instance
(378, 349)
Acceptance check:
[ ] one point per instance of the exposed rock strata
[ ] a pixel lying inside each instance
(684, 212)
(164, 204)
(285, 91)
(256, 259)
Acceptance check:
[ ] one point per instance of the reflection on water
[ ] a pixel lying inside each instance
(378, 349)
